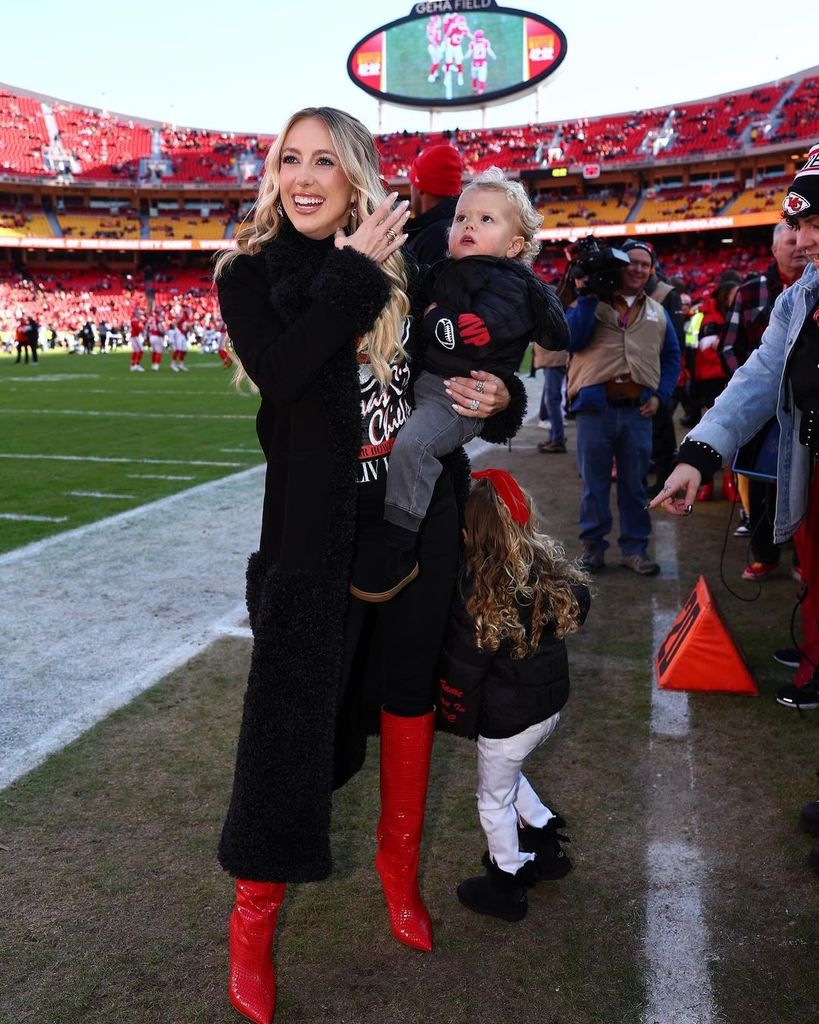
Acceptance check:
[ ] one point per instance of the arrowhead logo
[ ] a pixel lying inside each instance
(794, 204)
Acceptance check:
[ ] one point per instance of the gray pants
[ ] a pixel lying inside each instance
(434, 429)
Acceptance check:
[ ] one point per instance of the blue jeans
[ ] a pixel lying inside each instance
(618, 432)
(551, 402)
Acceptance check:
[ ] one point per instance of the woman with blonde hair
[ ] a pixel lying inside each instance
(317, 304)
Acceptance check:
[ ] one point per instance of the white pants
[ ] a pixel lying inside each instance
(505, 795)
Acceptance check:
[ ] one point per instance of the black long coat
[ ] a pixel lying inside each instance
(293, 312)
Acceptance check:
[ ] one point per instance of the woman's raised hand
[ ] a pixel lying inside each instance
(381, 234)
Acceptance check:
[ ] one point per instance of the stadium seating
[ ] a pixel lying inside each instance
(685, 204)
(187, 226)
(90, 144)
(23, 134)
(98, 146)
(24, 224)
(567, 211)
(92, 225)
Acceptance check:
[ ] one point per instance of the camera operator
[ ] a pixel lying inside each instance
(625, 359)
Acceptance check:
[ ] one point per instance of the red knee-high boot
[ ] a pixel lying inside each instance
(252, 927)
(406, 746)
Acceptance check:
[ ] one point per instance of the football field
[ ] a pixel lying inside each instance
(125, 660)
(84, 438)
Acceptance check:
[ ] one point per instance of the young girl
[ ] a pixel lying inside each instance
(505, 677)
(486, 307)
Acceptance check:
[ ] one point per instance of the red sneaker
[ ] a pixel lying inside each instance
(759, 570)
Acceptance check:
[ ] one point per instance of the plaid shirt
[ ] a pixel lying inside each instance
(748, 318)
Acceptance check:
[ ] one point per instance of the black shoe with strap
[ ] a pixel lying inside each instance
(382, 570)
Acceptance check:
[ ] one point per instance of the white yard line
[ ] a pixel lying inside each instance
(19, 517)
(157, 476)
(120, 459)
(100, 494)
(113, 606)
(122, 414)
(675, 942)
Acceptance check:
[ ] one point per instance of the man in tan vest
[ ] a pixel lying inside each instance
(624, 363)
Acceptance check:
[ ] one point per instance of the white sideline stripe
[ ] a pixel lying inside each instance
(676, 938)
(133, 513)
(17, 517)
(157, 476)
(127, 620)
(121, 459)
(244, 451)
(122, 414)
(675, 941)
(99, 494)
(669, 708)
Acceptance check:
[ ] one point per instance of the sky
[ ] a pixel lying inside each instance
(247, 66)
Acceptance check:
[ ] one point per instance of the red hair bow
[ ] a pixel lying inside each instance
(508, 489)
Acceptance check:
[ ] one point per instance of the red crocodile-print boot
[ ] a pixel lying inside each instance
(406, 747)
(251, 928)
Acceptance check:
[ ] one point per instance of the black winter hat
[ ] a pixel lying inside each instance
(802, 199)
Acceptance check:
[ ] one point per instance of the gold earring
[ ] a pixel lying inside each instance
(353, 215)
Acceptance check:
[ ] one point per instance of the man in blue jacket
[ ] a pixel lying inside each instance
(625, 359)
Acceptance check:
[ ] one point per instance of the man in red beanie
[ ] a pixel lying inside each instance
(435, 184)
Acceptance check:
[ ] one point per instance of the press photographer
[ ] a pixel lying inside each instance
(625, 359)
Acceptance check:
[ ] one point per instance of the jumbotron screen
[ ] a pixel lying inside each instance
(457, 53)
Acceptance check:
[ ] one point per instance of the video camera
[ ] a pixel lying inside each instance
(600, 266)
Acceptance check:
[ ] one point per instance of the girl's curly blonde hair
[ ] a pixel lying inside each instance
(508, 564)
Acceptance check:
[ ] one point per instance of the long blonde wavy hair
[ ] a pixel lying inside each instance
(359, 160)
(508, 563)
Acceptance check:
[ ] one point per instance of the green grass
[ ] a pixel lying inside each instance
(159, 425)
(114, 907)
(408, 58)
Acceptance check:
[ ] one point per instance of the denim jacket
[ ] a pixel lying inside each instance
(761, 389)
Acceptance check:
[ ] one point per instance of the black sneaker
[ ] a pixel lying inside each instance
(551, 861)
(789, 656)
(744, 528)
(805, 698)
(498, 893)
(809, 818)
(382, 572)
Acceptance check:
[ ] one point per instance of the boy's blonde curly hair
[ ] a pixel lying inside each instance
(494, 180)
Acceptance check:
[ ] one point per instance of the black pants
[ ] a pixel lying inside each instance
(762, 501)
(395, 646)
(663, 443)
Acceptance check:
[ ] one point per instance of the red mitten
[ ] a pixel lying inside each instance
(473, 330)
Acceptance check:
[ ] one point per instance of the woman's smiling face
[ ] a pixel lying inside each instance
(314, 190)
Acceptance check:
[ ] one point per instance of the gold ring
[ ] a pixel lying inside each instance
(391, 235)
